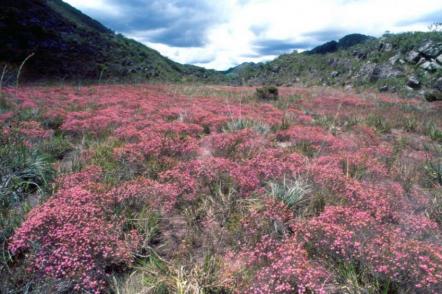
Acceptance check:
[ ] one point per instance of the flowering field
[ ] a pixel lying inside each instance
(205, 189)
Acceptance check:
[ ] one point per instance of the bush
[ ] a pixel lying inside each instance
(292, 193)
(267, 93)
(71, 239)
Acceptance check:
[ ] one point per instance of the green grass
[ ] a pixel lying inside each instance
(244, 123)
(24, 173)
(291, 192)
(379, 123)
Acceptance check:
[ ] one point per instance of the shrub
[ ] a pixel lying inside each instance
(284, 267)
(242, 123)
(434, 170)
(267, 93)
(71, 237)
(434, 132)
(57, 147)
(291, 192)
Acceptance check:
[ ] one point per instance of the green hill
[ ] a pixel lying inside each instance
(409, 63)
(69, 45)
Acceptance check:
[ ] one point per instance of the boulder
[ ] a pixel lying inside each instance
(421, 61)
(439, 59)
(359, 54)
(334, 74)
(437, 85)
(386, 47)
(384, 88)
(430, 49)
(413, 82)
(430, 65)
(394, 59)
(412, 57)
(374, 72)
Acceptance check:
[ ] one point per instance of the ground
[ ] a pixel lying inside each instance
(206, 189)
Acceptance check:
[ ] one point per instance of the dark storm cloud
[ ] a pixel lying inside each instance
(327, 35)
(178, 23)
(202, 60)
(277, 47)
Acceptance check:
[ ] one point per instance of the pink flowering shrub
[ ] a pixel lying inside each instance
(352, 235)
(284, 267)
(199, 176)
(314, 136)
(72, 237)
(237, 144)
(136, 194)
(205, 164)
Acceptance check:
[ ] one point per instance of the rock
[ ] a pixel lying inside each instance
(374, 72)
(412, 56)
(348, 88)
(413, 82)
(430, 65)
(394, 59)
(386, 47)
(384, 88)
(332, 62)
(439, 59)
(359, 54)
(421, 61)
(430, 50)
(433, 95)
(438, 84)
(334, 74)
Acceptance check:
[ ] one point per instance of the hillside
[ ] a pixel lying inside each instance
(69, 45)
(409, 63)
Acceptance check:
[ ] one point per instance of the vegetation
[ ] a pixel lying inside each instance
(150, 188)
(267, 93)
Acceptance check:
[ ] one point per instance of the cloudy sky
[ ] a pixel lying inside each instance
(220, 34)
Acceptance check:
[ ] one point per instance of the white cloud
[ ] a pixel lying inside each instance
(232, 40)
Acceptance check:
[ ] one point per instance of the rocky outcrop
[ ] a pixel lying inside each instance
(408, 63)
(372, 72)
(430, 49)
(428, 56)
